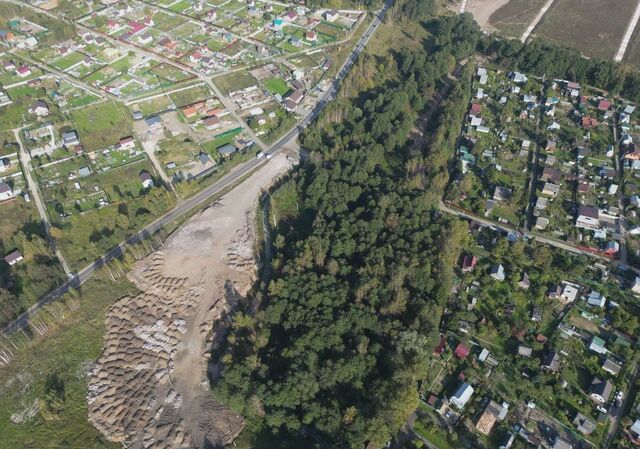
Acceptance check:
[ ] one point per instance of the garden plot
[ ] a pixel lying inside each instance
(596, 31)
(106, 207)
(577, 170)
(102, 125)
(270, 121)
(499, 138)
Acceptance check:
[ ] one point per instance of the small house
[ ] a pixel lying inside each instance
(497, 272)
(39, 108)
(153, 122)
(227, 150)
(596, 299)
(13, 257)
(462, 351)
(611, 367)
(493, 413)
(551, 362)
(600, 390)
(6, 192)
(146, 179)
(588, 217)
(331, 15)
(462, 395)
(583, 424)
(524, 351)
(597, 344)
(469, 263)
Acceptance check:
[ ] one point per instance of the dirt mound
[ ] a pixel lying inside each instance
(149, 387)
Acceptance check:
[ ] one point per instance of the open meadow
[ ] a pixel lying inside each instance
(594, 27)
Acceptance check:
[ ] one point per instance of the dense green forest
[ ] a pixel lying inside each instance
(335, 352)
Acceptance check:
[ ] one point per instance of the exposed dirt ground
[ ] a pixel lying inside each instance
(149, 388)
(482, 10)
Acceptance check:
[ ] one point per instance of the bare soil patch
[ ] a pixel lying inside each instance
(149, 387)
(482, 10)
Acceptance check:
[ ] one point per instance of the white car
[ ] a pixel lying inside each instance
(260, 155)
(269, 156)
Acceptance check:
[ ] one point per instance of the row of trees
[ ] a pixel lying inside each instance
(542, 58)
(343, 332)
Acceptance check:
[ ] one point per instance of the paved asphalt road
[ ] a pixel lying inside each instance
(196, 200)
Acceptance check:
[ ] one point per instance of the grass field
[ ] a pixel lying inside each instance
(596, 31)
(101, 125)
(189, 96)
(632, 55)
(24, 283)
(513, 18)
(64, 355)
(276, 86)
(234, 81)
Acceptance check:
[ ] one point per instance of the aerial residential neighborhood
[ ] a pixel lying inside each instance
(397, 224)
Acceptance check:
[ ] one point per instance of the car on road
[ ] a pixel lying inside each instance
(260, 155)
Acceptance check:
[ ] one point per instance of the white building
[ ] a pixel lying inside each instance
(462, 395)
(6, 193)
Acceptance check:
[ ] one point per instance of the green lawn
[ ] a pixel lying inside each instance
(276, 86)
(101, 125)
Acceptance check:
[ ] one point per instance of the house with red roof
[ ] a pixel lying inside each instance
(589, 122)
(136, 27)
(438, 350)
(604, 105)
(476, 109)
(290, 16)
(469, 263)
(462, 351)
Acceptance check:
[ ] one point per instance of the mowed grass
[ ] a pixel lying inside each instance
(101, 125)
(66, 353)
(276, 86)
(513, 18)
(594, 27)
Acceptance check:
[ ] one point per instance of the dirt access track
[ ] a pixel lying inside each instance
(149, 388)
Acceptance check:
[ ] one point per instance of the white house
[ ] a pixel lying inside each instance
(588, 217)
(462, 395)
(597, 345)
(635, 286)
(146, 179)
(6, 192)
(331, 15)
(569, 292)
(127, 143)
(39, 108)
(596, 299)
(497, 272)
(13, 257)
